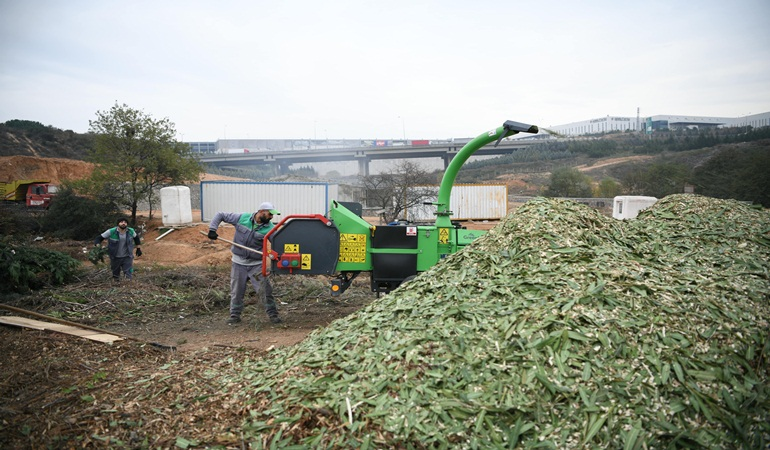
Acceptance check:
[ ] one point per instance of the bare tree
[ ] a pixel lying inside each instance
(405, 185)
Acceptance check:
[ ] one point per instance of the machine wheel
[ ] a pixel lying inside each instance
(408, 279)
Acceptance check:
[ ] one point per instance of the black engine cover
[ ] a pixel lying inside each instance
(316, 244)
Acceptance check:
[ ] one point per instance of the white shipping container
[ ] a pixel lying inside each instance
(468, 202)
(175, 205)
(629, 206)
(246, 196)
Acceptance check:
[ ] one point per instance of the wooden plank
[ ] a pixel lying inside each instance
(59, 328)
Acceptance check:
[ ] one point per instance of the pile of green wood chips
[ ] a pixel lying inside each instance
(560, 328)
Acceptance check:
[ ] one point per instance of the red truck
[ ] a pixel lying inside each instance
(33, 193)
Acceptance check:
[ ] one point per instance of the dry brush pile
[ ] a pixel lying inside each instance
(560, 328)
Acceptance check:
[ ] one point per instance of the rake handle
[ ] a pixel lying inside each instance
(233, 243)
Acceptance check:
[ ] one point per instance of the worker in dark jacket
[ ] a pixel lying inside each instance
(121, 241)
(250, 231)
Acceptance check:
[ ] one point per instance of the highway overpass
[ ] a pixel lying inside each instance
(283, 160)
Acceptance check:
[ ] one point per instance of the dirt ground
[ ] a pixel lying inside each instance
(612, 161)
(188, 247)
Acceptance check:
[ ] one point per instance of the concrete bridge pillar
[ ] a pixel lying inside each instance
(363, 167)
(363, 163)
(449, 156)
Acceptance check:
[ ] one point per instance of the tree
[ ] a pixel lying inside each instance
(657, 180)
(608, 188)
(304, 171)
(569, 182)
(402, 187)
(135, 155)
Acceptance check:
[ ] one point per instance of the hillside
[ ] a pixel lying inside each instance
(25, 138)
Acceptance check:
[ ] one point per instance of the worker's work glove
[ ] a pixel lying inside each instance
(213, 235)
(138, 252)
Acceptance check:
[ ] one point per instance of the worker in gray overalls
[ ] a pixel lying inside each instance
(250, 230)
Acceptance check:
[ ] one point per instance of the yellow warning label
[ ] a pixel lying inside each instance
(291, 248)
(443, 235)
(352, 248)
(305, 263)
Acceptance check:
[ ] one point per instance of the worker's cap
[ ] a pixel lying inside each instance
(267, 206)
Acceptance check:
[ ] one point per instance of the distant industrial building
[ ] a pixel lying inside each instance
(591, 126)
(203, 147)
(656, 123)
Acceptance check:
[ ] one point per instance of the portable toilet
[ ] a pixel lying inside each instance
(628, 206)
(175, 205)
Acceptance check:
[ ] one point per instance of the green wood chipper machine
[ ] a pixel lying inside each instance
(342, 245)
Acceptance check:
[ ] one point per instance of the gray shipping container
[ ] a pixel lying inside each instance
(246, 196)
(469, 202)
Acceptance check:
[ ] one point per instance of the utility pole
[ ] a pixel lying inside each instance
(638, 123)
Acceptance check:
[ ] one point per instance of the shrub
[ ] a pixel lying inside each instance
(26, 268)
(74, 217)
(17, 219)
(569, 182)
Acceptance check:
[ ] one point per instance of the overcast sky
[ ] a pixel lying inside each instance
(383, 69)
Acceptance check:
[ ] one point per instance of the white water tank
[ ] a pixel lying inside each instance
(175, 205)
(628, 206)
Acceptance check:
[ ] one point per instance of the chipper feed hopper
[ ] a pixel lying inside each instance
(342, 245)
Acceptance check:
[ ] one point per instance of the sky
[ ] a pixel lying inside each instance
(361, 69)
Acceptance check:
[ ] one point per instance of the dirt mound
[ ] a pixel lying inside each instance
(52, 169)
(58, 169)
(184, 246)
